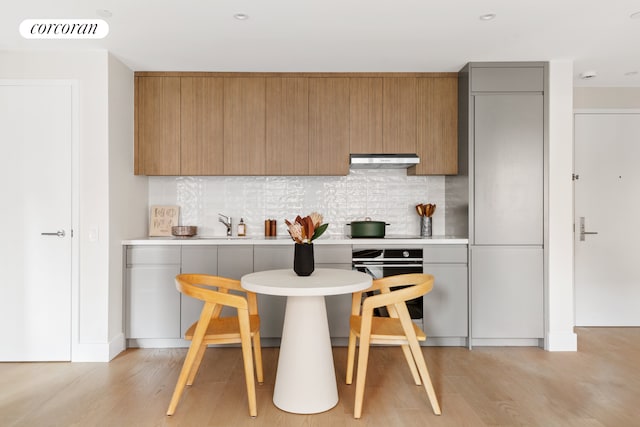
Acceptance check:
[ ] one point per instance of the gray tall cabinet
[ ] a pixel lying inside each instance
(502, 146)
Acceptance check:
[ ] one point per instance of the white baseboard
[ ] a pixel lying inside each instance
(561, 341)
(98, 352)
(117, 346)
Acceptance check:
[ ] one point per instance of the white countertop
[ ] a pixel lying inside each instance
(286, 240)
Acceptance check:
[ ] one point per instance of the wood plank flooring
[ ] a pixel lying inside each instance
(492, 386)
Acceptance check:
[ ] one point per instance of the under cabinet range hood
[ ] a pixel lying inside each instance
(383, 161)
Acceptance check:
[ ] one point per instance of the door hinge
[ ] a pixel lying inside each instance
(575, 177)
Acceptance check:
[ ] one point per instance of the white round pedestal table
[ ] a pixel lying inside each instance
(306, 380)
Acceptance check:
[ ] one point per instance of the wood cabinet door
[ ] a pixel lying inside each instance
(201, 126)
(328, 126)
(244, 126)
(158, 125)
(399, 114)
(365, 114)
(437, 126)
(287, 126)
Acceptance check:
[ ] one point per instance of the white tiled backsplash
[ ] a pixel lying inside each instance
(383, 195)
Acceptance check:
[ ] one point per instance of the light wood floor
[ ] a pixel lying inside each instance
(597, 386)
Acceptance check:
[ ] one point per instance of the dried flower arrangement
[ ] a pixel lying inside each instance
(307, 229)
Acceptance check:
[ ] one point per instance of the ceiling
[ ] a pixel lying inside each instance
(350, 35)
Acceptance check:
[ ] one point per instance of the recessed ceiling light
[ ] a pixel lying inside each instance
(635, 15)
(105, 13)
(487, 16)
(631, 73)
(241, 16)
(591, 74)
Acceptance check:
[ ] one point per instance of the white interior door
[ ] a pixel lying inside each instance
(607, 197)
(35, 183)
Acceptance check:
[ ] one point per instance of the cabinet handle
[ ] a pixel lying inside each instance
(417, 266)
(59, 233)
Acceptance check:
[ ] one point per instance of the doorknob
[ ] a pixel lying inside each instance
(59, 233)
(582, 230)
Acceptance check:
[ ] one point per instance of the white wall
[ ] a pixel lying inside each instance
(384, 195)
(127, 193)
(559, 234)
(92, 311)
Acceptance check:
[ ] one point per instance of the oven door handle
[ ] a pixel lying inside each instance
(386, 259)
(387, 265)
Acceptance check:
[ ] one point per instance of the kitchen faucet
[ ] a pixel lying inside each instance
(226, 221)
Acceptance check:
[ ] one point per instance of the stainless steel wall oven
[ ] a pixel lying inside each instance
(390, 262)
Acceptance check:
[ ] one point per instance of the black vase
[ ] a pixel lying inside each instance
(303, 263)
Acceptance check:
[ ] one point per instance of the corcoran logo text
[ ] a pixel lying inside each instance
(64, 29)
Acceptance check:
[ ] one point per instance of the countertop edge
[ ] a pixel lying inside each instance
(218, 241)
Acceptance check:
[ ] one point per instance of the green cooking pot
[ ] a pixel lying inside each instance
(367, 228)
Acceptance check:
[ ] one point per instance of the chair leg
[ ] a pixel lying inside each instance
(194, 348)
(363, 358)
(351, 356)
(424, 373)
(196, 364)
(247, 357)
(257, 354)
(412, 364)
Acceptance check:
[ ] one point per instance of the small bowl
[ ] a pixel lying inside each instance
(184, 231)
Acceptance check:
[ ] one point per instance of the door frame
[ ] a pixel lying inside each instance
(576, 111)
(75, 197)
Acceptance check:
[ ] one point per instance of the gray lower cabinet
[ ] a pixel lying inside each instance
(153, 302)
(446, 308)
(234, 262)
(507, 292)
(196, 260)
(271, 307)
(156, 310)
(338, 306)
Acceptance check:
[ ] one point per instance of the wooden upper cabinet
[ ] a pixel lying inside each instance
(291, 123)
(365, 104)
(157, 126)
(328, 126)
(287, 126)
(201, 126)
(399, 114)
(244, 125)
(437, 126)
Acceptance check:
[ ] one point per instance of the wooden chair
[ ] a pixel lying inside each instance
(398, 329)
(213, 329)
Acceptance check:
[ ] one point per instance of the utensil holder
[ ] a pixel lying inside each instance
(425, 226)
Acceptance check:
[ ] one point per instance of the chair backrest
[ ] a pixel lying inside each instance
(215, 290)
(413, 285)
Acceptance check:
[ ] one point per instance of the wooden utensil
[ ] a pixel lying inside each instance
(419, 209)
